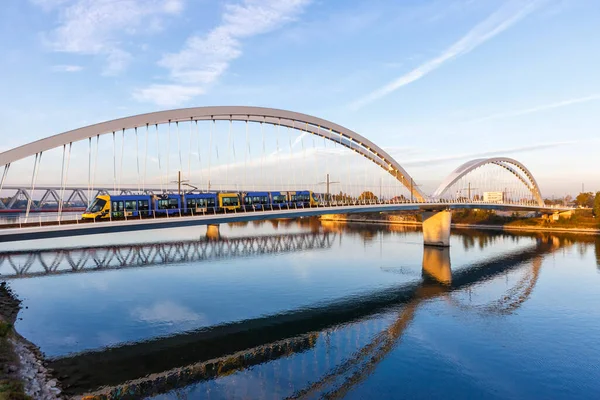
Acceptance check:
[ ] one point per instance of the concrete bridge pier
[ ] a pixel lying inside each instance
(436, 264)
(436, 228)
(212, 232)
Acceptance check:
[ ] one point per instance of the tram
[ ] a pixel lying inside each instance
(147, 206)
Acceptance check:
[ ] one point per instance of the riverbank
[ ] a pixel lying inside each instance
(22, 374)
(499, 223)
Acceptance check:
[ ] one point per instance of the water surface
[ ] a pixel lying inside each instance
(309, 309)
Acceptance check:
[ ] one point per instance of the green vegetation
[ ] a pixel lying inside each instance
(596, 209)
(367, 196)
(581, 219)
(11, 389)
(585, 200)
(5, 328)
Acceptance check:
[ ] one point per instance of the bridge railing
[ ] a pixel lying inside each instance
(43, 219)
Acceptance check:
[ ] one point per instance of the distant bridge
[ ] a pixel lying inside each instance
(27, 263)
(509, 185)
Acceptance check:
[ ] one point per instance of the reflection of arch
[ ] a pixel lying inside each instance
(513, 298)
(511, 165)
(313, 125)
(363, 362)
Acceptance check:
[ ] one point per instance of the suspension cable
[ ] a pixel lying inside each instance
(262, 132)
(95, 162)
(159, 164)
(89, 169)
(190, 153)
(137, 158)
(210, 153)
(145, 161)
(36, 166)
(168, 154)
(4, 175)
(179, 146)
(114, 163)
(228, 154)
(246, 156)
(121, 164)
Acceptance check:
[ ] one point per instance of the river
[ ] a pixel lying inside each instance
(310, 309)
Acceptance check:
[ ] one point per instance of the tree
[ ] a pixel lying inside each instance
(596, 210)
(585, 200)
(568, 199)
(367, 196)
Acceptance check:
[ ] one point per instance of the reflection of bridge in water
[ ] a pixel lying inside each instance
(87, 259)
(167, 363)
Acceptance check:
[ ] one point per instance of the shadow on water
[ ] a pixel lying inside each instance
(135, 370)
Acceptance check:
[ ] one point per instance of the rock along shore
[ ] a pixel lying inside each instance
(23, 374)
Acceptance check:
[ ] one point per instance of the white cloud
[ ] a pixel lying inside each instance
(167, 95)
(165, 312)
(502, 19)
(67, 68)
(545, 107)
(97, 27)
(203, 59)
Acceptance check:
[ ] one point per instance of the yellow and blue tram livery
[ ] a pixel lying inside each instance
(145, 205)
(229, 201)
(256, 201)
(303, 198)
(197, 203)
(169, 204)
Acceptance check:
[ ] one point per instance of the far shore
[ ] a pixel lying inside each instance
(588, 231)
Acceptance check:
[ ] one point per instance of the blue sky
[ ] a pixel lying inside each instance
(435, 82)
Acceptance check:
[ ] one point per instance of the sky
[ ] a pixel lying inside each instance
(434, 82)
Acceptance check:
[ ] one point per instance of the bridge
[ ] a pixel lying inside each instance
(142, 148)
(195, 356)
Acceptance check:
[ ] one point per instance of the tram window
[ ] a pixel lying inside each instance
(230, 201)
(248, 200)
(163, 204)
(130, 205)
(191, 203)
(143, 205)
(173, 203)
(117, 206)
(210, 202)
(97, 206)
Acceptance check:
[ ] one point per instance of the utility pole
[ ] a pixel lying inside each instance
(179, 181)
(328, 183)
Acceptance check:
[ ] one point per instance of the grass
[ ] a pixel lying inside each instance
(581, 219)
(5, 329)
(11, 389)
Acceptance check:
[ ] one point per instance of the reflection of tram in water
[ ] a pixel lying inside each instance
(147, 205)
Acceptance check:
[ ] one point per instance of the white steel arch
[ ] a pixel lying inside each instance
(299, 121)
(513, 166)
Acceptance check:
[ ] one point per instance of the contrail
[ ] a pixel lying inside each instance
(545, 107)
(502, 19)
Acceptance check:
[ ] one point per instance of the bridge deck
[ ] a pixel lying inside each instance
(76, 228)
